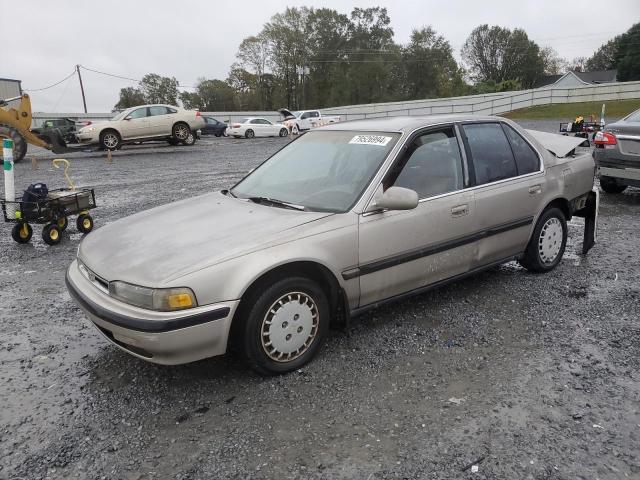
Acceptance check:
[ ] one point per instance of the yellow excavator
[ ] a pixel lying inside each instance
(15, 123)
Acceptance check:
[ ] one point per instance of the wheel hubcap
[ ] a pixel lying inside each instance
(550, 241)
(86, 223)
(182, 132)
(289, 327)
(53, 234)
(110, 140)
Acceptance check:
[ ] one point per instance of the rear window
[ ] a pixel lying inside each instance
(490, 152)
(634, 117)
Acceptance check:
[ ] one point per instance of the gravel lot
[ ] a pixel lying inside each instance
(526, 376)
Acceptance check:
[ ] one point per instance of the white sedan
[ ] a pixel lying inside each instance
(257, 127)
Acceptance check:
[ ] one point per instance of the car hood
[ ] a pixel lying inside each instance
(154, 246)
(286, 113)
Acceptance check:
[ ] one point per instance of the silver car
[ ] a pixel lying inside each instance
(341, 220)
(617, 154)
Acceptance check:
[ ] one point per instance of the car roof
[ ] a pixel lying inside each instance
(405, 123)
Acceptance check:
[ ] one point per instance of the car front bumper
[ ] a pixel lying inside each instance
(168, 338)
(88, 138)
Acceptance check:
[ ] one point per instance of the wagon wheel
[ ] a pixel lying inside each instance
(84, 223)
(63, 223)
(21, 232)
(51, 234)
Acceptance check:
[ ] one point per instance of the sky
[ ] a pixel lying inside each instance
(190, 39)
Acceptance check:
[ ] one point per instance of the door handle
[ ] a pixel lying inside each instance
(460, 210)
(535, 189)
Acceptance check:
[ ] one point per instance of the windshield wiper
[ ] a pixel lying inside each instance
(276, 202)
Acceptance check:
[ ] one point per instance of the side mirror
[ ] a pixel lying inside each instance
(127, 118)
(394, 198)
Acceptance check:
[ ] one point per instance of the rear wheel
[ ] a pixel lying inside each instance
(110, 140)
(19, 143)
(283, 326)
(51, 234)
(547, 244)
(84, 223)
(249, 134)
(181, 131)
(22, 232)
(609, 185)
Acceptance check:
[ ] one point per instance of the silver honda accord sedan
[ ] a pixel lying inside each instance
(344, 218)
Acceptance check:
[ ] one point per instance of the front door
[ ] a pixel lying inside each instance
(136, 124)
(400, 251)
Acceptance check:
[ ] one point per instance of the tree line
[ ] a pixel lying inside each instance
(315, 58)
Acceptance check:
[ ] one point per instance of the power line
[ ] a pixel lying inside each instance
(50, 86)
(111, 74)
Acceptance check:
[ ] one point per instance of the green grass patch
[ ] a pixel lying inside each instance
(568, 111)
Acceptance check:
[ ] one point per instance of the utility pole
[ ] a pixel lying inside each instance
(84, 101)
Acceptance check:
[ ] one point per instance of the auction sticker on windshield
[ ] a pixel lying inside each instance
(379, 140)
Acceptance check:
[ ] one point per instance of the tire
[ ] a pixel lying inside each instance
(218, 134)
(300, 325)
(110, 140)
(284, 132)
(180, 131)
(191, 139)
(51, 234)
(547, 244)
(19, 143)
(295, 130)
(172, 141)
(249, 134)
(609, 185)
(63, 223)
(237, 136)
(84, 223)
(21, 232)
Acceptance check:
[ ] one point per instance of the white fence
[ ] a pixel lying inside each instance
(489, 104)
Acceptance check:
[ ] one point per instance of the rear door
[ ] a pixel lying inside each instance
(508, 176)
(400, 251)
(136, 124)
(160, 121)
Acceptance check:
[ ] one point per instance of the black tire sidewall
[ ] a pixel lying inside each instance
(250, 331)
(249, 134)
(532, 260)
(19, 143)
(609, 185)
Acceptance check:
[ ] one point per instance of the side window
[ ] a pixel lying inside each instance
(171, 110)
(255, 121)
(315, 114)
(305, 116)
(139, 113)
(490, 152)
(527, 159)
(434, 165)
(156, 110)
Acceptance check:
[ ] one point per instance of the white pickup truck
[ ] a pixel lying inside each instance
(303, 120)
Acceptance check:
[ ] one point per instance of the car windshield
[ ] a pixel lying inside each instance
(633, 117)
(119, 116)
(322, 170)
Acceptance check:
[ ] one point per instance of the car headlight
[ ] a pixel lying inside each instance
(159, 299)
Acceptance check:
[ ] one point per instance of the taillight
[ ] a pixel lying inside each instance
(236, 125)
(605, 138)
(198, 113)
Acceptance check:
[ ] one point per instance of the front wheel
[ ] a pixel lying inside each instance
(284, 132)
(51, 234)
(547, 244)
(609, 185)
(283, 326)
(110, 140)
(21, 232)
